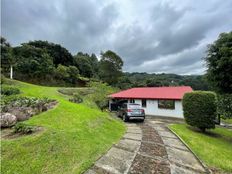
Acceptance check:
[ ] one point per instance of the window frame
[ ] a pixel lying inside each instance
(160, 106)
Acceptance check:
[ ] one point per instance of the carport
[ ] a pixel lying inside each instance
(115, 103)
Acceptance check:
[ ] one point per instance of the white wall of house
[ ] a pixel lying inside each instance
(152, 109)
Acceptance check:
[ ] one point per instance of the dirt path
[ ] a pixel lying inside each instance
(148, 148)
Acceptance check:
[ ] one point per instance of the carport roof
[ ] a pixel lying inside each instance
(176, 93)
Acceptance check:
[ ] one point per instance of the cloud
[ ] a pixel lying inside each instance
(157, 36)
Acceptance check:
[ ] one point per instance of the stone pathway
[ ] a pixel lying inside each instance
(148, 148)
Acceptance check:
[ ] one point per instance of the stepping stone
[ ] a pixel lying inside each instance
(167, 134)
(130, 145)
(157, 122)
(133, 136)
(115, 161)
(131, 125)
(184, 158)
(99, 170)
(180, 170)
(135, 130)
(146, 165)
(160, 128)
(90, 171)
(174, 143)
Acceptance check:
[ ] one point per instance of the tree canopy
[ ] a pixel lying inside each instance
(7, 57)
(110, 66)
(219, 63)
(59, 54)
(88, 65)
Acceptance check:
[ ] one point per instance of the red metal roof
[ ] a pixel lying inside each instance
(153, 93)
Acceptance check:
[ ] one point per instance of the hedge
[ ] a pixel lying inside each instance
(200, 109)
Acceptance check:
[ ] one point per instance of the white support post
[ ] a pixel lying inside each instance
(11, 72)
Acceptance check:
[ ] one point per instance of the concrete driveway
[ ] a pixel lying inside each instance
(148, 148)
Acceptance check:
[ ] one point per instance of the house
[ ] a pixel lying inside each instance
(157, 101)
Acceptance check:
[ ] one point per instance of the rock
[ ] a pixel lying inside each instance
(51, 105)
(8, 120)
(21, 113)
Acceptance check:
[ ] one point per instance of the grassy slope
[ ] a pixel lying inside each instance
(74, 137)
(215, 149)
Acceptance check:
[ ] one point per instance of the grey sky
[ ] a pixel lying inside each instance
(167, 36)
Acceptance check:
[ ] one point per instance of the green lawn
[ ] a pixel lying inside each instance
(229, 121)
(214, 148)
(74, 137)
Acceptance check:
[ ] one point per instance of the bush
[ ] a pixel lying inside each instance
(23, 128)
(76, 98)
(9, 90)
(3, 79)
(225, 105)
(15, 101)
(100, 96)
(200, 109)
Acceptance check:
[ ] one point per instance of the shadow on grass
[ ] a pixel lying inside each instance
(210, 133)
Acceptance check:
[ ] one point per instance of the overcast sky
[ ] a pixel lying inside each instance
(167, 36)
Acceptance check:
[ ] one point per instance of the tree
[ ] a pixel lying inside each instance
(7, 57)
(59, 54)
(33, 62)
(73, 74)
(219, 63)
(84, 64)
(225, 105)
(61, 72)
(69, 74)
(110, 67)
(101, 92)
(94, 63)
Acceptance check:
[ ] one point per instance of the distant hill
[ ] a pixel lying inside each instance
(128, 80)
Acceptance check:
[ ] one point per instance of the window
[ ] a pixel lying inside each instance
(134, 106)
(144, 103)
(132, 101)
(166, 104)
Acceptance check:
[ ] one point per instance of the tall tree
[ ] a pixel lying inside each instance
(33, 62)
(110, 67)
(219, 63)
(219, 73)
(59, 54)
(84, 64)
(7, 58)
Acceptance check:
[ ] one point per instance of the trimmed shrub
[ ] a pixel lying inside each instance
(200, 109)
(9, 90)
